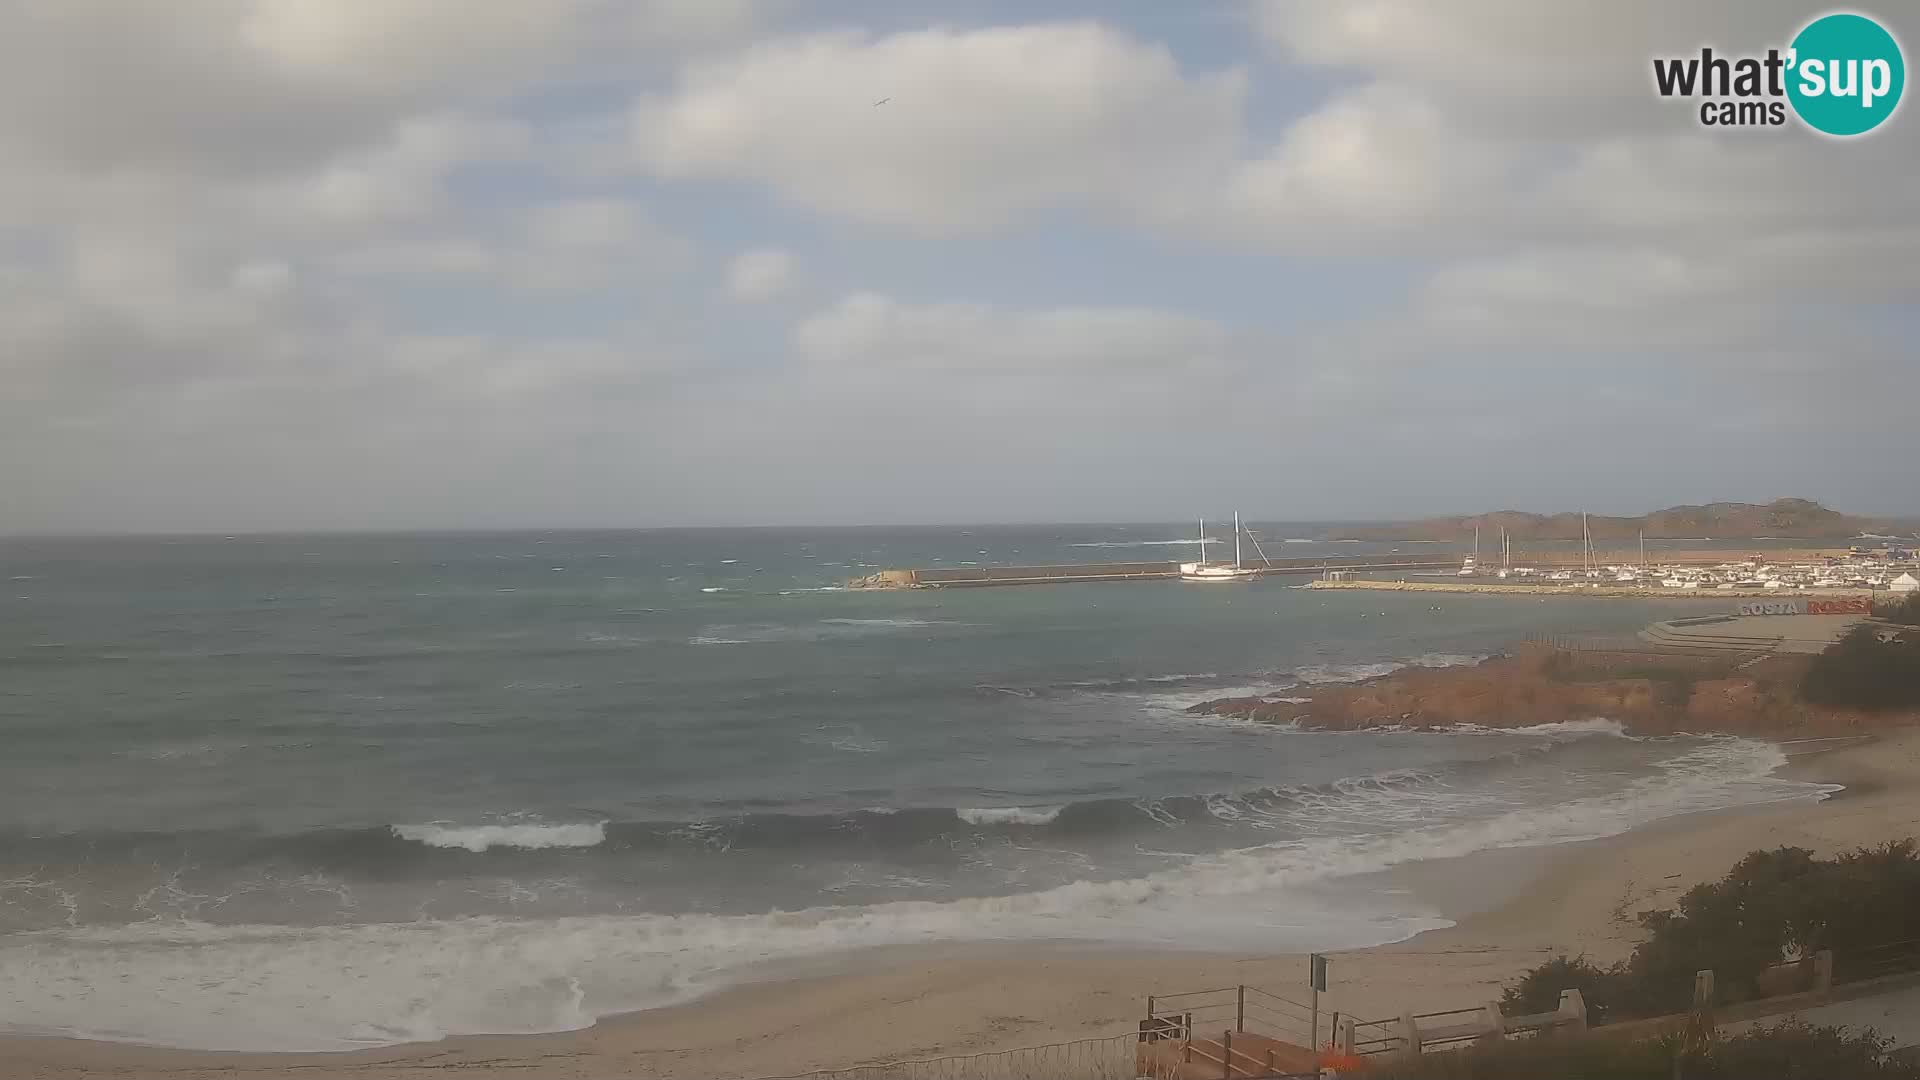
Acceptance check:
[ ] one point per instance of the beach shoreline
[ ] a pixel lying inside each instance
(1510, 908)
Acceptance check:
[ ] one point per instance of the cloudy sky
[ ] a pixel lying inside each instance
(291, 264)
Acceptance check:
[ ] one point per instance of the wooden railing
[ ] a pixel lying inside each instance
(1257, 1028)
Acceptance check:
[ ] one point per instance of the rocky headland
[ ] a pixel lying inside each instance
(1543, 686)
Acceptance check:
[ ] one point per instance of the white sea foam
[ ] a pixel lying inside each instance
(1572, 729)
(1316, 674)
(181, 983)
(443, 834)
(1009, 815)
(1179, 701)
(1123, 684)
(1339, 673)
(1440, 660)
(712, 588)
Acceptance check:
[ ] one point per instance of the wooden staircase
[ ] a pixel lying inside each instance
(1260, 1036)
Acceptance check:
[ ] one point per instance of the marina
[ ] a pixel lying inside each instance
(1674, 574)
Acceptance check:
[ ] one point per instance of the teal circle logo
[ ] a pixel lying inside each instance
(1845, 74)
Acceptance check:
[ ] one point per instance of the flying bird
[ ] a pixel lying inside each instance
(881, 102)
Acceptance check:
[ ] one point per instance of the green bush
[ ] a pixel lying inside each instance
(1860, 671)
(1905, 611)
(1789, 1051)
(1863, 898)
(1738, 927)
(1773, 904)
(1538, 991)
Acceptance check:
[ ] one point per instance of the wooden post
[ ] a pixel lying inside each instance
(1149, 1006)
(1226, 1056)
(1410, 1031)
(1823, 971)
(1240, 1009)
(1313, 1011)
(1344, 1037)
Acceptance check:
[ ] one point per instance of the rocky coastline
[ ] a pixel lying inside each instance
(1543, 686)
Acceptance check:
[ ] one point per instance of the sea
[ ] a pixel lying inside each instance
(334, 791)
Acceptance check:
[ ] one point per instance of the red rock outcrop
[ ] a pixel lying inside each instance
(1540, 687)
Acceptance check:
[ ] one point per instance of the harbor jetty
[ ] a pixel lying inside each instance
(975, 576)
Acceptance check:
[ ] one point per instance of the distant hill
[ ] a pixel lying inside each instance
(1800, 519)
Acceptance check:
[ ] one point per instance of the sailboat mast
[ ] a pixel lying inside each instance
(1236, 539)
(1203, 541)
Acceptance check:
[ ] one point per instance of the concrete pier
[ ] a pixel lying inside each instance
(975, 576)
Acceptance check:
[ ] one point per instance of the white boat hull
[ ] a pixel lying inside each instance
(1195, 572)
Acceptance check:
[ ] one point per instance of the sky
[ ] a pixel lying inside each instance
(309, 264)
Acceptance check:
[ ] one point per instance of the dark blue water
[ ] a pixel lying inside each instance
(549, 776)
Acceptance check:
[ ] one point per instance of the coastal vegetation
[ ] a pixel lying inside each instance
(1905, 610)
(1786, 1051)
(1772, 906)
(1872, 668)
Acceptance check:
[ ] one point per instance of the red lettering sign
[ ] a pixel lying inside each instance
(1852, 605)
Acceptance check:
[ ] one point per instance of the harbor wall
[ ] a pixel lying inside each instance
(980, 575)
(945, 576)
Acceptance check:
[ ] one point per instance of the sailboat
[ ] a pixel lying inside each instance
(1589, 556)
(1470, 565)
(1202, 571)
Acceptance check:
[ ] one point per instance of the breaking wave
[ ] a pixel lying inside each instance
(1010, 815)
(254, 987)
(527, 836)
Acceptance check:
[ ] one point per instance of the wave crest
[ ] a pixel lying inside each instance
(525, 835)
(1009, 815)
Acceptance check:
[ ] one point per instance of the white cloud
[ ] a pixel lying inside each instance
(266, 278)
(1381, 159)
(276, 85)
(978, 125)
(566, 245)
(761, 274)
(1515, 66)
(874, 334)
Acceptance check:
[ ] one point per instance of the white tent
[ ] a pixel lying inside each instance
(1904, 583)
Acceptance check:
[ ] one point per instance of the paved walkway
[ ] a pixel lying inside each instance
(1895, 1014)
(1795, 633)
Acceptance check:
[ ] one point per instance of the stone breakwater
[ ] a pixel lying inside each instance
(1648, 695)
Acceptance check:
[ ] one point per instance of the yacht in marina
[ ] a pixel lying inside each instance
(1205, 571)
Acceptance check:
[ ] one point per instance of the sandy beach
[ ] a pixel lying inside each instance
(1512, 909)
